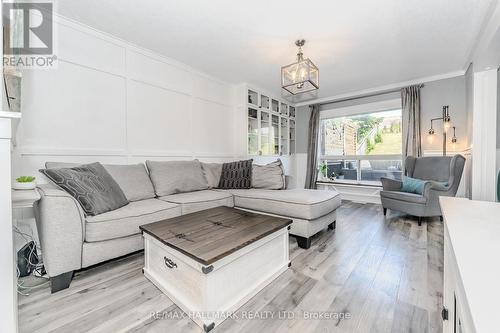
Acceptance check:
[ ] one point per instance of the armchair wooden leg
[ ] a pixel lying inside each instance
(419, 220)
(385, 211)
(441, 218)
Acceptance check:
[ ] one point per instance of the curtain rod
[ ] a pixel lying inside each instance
(384, 92)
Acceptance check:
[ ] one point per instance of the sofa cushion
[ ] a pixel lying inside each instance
(125, 221)
(199, 200)
(404, 196)
(212, 172)
(295, 203)
(133, 179)
(91, 185)
(170, 177)
(236, 175)
(270, 176)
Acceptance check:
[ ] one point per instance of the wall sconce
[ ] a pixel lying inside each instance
(446, 119)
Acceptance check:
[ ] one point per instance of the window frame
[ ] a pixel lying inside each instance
(352, 111)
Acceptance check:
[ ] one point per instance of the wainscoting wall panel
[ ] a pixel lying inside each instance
(156, 72)
(210, 121)
(91, 50)
(157, 119)
(72, 107)
(211, 90)
(114, 102)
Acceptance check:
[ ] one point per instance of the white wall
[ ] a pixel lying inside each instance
(113, 102)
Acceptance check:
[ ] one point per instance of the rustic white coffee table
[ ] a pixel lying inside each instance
(211, 262)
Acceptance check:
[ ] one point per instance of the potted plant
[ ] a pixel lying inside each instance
(323, 171)
(24, 183)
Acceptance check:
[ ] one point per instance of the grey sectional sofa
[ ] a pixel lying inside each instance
(70, 240)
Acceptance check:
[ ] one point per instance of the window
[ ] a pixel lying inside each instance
(362, 148)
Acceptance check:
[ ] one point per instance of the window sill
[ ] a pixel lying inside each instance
(353, 184)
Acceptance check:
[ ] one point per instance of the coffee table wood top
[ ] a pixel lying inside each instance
(210, 235)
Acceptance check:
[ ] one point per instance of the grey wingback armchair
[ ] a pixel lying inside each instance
(442, 176)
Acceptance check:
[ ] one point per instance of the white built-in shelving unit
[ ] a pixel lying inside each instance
(270, 125)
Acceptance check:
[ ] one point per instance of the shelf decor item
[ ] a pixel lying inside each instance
(24, 183)
(12, 84)
(301, 76)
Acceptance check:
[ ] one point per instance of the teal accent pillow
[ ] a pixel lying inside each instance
(413, 185)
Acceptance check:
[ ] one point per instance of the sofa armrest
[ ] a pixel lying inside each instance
(389, 184)
(60, 222)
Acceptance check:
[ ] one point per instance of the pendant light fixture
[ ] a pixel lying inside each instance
(301, 76)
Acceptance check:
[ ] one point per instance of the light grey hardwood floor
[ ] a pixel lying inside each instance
(384, 274)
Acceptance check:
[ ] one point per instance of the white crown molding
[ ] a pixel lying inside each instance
(481, 52)
(381, 89)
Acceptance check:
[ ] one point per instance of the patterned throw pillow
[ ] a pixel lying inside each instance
(91, 185)
(236, 175)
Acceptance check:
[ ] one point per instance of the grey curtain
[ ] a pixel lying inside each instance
(312, 148)
(410, 100)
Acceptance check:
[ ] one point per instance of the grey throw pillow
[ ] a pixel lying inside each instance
(270, 176)
(172, 177)
(236, 175)
(212, 172)
(91, 185)
(133, 179)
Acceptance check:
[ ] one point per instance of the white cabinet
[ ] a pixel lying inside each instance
(8, 294)
(455, 306)
(471, 273)
(270, 124)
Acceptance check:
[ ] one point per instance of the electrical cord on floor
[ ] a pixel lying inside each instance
(23, 289)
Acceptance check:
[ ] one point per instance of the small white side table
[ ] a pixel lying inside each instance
(24, 198)
(23, 215)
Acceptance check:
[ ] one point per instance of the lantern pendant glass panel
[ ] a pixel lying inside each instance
(300, 77)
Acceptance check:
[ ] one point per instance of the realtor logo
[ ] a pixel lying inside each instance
(28, 34)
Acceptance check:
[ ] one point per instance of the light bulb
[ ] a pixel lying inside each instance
(447, 125)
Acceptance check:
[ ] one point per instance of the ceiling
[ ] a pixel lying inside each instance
(356, 44)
